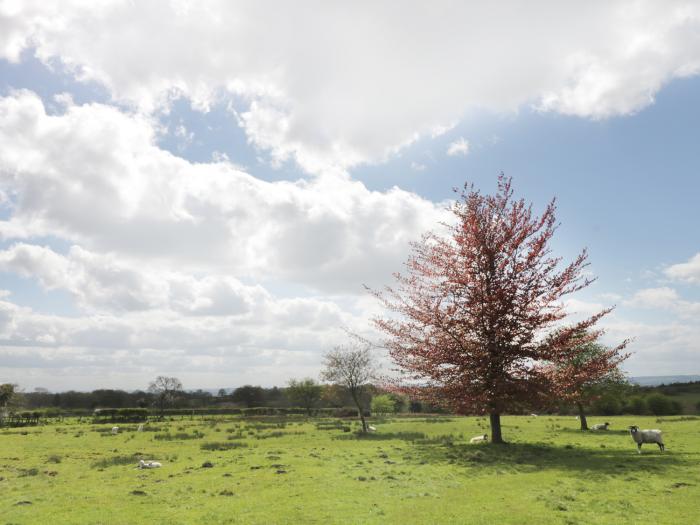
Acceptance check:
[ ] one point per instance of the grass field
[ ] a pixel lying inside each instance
(413, 470)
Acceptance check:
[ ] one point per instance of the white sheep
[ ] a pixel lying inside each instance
(371, 428)
(115, 431)
(149, 464)
(646, 436)
(140, 429)
(533, 415)
(601, 426)
(479, 439)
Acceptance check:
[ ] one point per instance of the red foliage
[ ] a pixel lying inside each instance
(471, 322)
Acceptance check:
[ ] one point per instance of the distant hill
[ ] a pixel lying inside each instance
(663, 380)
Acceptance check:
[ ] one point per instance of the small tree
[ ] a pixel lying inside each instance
(304, 393)
(165, 389)
(589, 371)
(350, 367)
(249, 395)
(383, 404)
(468, 323)
(7, 392)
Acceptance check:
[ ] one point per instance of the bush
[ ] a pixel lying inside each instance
(659, 405)
(636, 406)
(383, 404)
(607, 405)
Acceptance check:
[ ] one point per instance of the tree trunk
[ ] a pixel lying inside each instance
(496, 436)
(582, 416)
(360, 412)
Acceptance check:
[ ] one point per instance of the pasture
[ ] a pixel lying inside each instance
(294, 470)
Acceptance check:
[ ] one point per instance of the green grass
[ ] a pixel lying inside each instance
(296, 471)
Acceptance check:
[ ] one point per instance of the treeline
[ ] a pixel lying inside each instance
(678, 398)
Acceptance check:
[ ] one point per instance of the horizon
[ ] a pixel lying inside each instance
(209, 205)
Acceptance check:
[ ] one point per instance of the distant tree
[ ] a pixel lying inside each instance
(468, 321)
(350, 367)
(304, 393)
(587, 372)
(222, 392)
(7, 392)
(165, 389)
(249, 395)
(383, 404)
(661, 405)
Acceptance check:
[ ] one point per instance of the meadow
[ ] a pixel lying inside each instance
(297, 470)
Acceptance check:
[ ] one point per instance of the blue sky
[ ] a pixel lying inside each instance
(174, 209)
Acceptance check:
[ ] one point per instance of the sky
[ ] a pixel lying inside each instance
(202, 190)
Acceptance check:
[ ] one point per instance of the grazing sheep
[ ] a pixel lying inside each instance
(479, 439)
(371, 428)
(646, 436)
(601, 426)
(115, 430)
(149, 464)
(140, 429)
(533, 415)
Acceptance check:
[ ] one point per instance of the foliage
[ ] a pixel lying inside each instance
(469, 321)
(305, 393)
(383, 404)
(249, 395)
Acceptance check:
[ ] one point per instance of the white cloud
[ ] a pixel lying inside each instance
(418, 166)
(459, 147)
(688, 271)
(145, 204)
(664, 298)
(332, 86)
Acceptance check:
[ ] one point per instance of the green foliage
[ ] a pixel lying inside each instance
(382, 405)
(661, 405)
(305, 393)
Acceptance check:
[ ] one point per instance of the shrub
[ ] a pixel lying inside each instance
(659, 405)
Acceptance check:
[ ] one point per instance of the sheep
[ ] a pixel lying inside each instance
(646, 436)
(149, 464)
(115, 431)
(533, 415)
(140, 429)
(479, 439)
(601, 426)
(371, 428)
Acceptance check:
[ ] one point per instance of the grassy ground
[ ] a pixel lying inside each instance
(413, 470)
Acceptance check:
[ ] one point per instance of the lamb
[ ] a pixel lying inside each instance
(140, 429)
(533, 415)
(646, 436)
(115, 431)
(601, 426)
(371, 428)
(479, 439)
(149, 464)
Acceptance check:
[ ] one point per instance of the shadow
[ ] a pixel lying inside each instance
(532, 457)
(580, 432)
(382, 436)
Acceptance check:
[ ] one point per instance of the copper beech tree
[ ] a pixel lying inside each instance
(470, 323)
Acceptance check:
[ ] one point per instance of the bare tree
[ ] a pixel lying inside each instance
(166, 390)
(350, 367)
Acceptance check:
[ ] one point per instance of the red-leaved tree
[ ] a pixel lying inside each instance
(471, 322)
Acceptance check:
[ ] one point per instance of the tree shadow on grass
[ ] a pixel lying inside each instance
(382, 436)
(533, 457)
(589, 432)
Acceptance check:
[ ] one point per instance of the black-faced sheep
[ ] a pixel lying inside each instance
(646, 436)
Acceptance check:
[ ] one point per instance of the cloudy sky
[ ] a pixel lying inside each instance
(201, 189)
